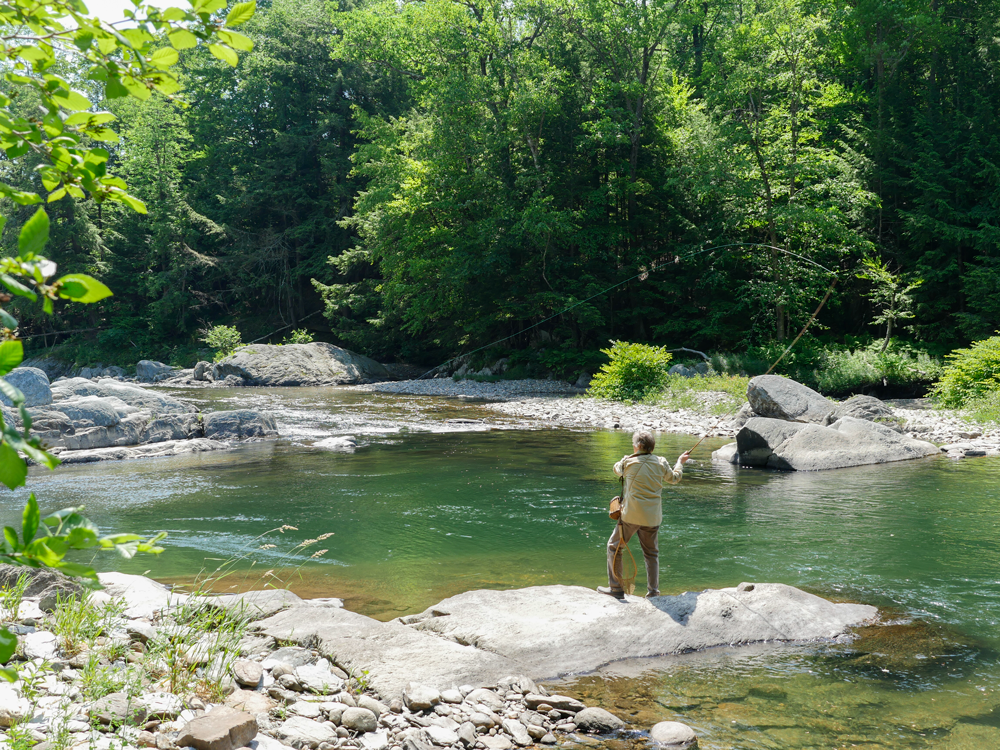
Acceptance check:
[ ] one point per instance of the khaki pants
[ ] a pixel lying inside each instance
(650, 551)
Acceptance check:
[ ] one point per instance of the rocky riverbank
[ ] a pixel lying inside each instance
(139, 665)
(553, 403)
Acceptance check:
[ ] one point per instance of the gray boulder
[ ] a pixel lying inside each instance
(683, 370)
(45, 583)
(172, 427)
(480, 637)
(141, 398)
(757, 440)
(360, 720)
(780, 398)
(300, 364)
(155, 450)
(673, 734)
(868, 408)
(847, 442)
(203, 372)
(148, 371)
(240, 424)
(32, 382)
(598, 721)
(727, 454)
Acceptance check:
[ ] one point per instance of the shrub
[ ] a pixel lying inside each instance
(223, 339)
(298, 336)
(634, 372)
(971, 374)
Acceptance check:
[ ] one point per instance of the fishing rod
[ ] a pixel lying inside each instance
(645, 273)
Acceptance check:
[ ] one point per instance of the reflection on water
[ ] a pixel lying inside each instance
(427, 508)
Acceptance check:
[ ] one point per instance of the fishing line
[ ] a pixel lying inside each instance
(645, 272)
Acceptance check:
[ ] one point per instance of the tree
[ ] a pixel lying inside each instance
(890, 293)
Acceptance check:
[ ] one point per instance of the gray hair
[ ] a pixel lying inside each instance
(644, 441)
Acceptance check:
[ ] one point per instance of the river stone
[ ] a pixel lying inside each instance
(848, 442)
(307, 709)
(301, 732)
(317, 678)
(256, 605)
(359, 719)
(13, 708)
(333, 711)
(45, 583)
(597, 720)
(40, 645)
(486, 697)
(250, 701)
(172, 427)
(117, 708)
(155, 450)
(239, 424)
(162, 706)
(32, 382)
(451, 695)
(143, 597)
(375, 740)
(376, 707)
(868, 408)
(222, 728)
(467, 734)
(314, 364)
(441, 736)
(149, 371)
(517, 684)
(247, 672)
(293, 656)
(342, 444)
(416, 740)
(140, 631)
(561, 702)
(727, 454)
(781, 398)
(517, 731)
(500, 742)
(673, 734)
(420, 697)
(203, 372)
(759, 437)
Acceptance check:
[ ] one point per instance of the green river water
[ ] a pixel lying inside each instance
(434, 503)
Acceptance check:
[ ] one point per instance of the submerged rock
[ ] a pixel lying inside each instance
(673, 734)
(239, 424)
(155, 450)
(300, 364)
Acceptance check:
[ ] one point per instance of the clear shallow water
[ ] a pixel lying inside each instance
(439, 507)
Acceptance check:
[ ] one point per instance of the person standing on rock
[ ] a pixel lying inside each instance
(642, 511)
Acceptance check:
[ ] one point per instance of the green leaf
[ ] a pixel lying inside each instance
(34, 234)
(8, 320)
(13, 469)
(16, 287)
(31, 516)
(82, 288)
(241, 13)
(8, 645)
(6, 673)
(224, 53)
(173, 14)
(208, 6)
(132, 202)
(72, 100)
(164, 57)
(182, 39)
(77, 570)
(236, 40)
(90, 118)
(11, 355)
(10, 536)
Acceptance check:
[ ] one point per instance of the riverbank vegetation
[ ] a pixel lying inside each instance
(413, 180)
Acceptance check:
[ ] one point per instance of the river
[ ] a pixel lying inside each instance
(443, 497)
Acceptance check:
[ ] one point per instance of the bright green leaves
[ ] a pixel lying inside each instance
(241, 13)
(13, 470)
(182, 39)
(224, 53)
(164, 57)
(11, 355)
(30, 519)
(8, 647)
(34, 235)
(81, 288)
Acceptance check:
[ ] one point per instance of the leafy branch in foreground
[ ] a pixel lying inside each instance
(35, 36)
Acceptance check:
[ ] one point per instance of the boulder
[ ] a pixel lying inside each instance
(203, 372)
(172, 427)
(361, 720)
(44, 583)
(868, 408)
(673, 734)
(481, 637)
(727, 454)
(255, 605)
(222, 728)
(759, 437)
(32, 382)
(847, 442)
(247, 672)
(683, 370)
(343, 444)
(239, 424)
(156, 450)
(141, 398)
(517, 731)
(143, 597)
(598, 721)
(781, 398)
(117, 709)
(40, 645)
(148, 371)
(300, 364)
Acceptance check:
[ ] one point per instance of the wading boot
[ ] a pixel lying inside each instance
(610, 592)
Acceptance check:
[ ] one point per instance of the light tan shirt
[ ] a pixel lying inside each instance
(644, 477)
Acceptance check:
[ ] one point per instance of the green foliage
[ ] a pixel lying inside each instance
(634, 372)
(223, 339)
(890, 293)
(11, 596)
(983, 409)
(970, 374)
(714, 393)
(299, 336)
(78, 622)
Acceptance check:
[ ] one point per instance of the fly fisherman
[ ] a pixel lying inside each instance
(642, 511)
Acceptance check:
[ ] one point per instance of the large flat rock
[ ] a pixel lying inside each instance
(300, 364)
(141, 398)
(543, 632)
(777, 397)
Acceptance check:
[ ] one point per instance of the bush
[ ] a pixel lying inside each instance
(298, 336)
(971, 374)
(634, 372)
(223, 339)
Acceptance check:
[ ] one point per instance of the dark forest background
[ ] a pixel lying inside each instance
(414, 180)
